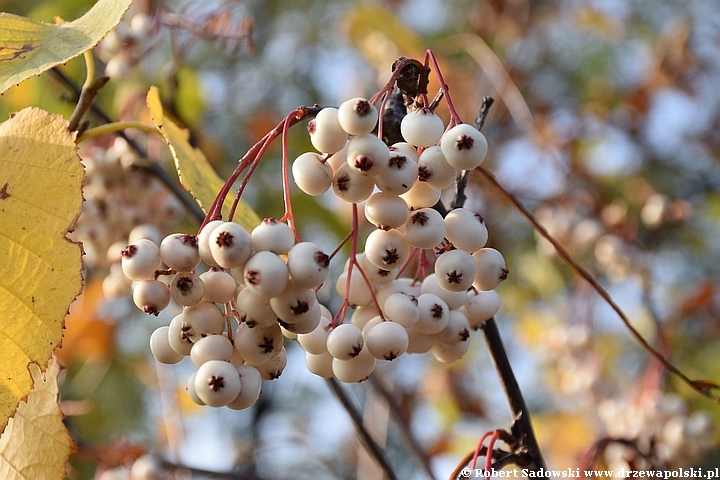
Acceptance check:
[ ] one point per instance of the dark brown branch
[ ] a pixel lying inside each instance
(370, 445)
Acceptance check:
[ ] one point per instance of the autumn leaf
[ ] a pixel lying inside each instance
(36, 444)
(40, 198)
(29, 48)
(196, 173)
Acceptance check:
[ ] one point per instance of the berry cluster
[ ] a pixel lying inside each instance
(260, 286)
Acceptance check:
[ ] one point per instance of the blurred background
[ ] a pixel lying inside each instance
(604, 126)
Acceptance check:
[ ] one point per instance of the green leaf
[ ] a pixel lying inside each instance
(29, 48)
(40, 198)
(196, 173)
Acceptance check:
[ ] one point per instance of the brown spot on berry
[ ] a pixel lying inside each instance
(437, 311)
(216, 383)
(363, 163)
(480, 218)
(362, 107)
(424, 173)
(419, 217)
(504, 274)
(189, 240)
(151, 310)
(454, 277)
(383, 273)
(184, 283)
(129, 251)
(464, 335)
(224, 239)
(391, 356)
(391, 256)
(356, 349)
(267, 345)
(342, 182)
(397, 161)
(464, 142)
(252, 277)
(301, 307)
(322, 259)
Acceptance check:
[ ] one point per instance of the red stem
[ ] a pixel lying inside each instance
(454, 117)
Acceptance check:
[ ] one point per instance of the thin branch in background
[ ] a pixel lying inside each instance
(356, 417)
(703, 387)
(152, 167)
(402, 424)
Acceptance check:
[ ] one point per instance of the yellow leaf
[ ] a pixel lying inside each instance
(40, 198)
(29, 48)
(36, 443)
(196, 173)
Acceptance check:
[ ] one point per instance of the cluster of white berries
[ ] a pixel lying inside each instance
(399, 185)
(662, 428)
(264, 282)
(260, 287)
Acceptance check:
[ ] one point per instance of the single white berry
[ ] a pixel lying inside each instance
(254, 310)
(466, 230)
(187, 289)
(457, 330)
(273, 368)
(230, 245)
(356, 369)
(308, 265)
(306, 325)
(387, 249)
(140, 259)
(179, 338)
(179, 251)
(295, 304)
(250, 388)
(212, 347)
(402, 309)
(203, 242)
(434, 314)
(376, 275)
(357, 116)
(315, 342)
(386, 210)
(191, 390)
(217, 383)
(406, 149)
(339, 158)
(363, 314)
(455, 270)
(161, 349)
(345, 341)
(419, 342)
(421, 195)
(358, 292)
(326, 133)
(449, 354)
(266, 274)
(422, 127)
(387, 340)
(272, 235)
(481, 306)
(401, 173)
(311, 174)
(145, 230)
(434, 170)
(151, 296)
(368, 155)
(400, 285)
(491, 269)
(258, 345)
(454, 300)
(219, 286)
(350, 186)
(202, 320)
(464, 147)
(320, 364)
(371, 324)
(425, 228)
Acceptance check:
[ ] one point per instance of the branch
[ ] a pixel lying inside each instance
(153, 167)
(365, 437)
(701, 386)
